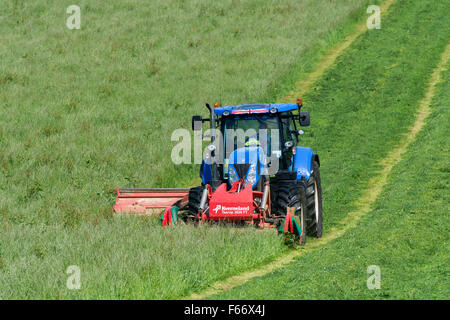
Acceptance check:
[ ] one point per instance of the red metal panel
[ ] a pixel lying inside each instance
(230, 205)
(142, 201)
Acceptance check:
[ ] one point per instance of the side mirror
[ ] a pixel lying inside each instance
(303, 118)
(196, 123)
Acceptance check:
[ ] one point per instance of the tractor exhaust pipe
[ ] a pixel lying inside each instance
(203, 199)
(212, 117)
(265, 196)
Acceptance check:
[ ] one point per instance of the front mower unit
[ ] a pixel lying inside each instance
(231, 205)
(237, 204)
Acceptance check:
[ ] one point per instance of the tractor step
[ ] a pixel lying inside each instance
(149, 201)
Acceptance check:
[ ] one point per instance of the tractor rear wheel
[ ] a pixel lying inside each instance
(313, 216)
(195, 196)
(293, 195)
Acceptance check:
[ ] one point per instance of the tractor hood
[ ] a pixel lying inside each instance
(246, 163)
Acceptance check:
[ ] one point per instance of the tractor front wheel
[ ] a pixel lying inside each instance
(313, 214)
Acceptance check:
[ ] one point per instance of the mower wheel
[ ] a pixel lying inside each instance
(195, 196)
(293, 195)
(313, 216)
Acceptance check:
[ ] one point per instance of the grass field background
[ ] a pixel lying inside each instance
(84, 111)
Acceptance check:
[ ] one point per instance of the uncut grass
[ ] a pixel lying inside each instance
(125, 258)
(406, 235)
(80, 113)
(84, 111)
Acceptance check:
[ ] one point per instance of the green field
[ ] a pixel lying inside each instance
(84, 111)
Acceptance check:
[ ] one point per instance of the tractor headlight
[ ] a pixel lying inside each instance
(251, 175)
(232, 175)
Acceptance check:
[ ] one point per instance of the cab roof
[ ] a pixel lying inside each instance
(255, 108)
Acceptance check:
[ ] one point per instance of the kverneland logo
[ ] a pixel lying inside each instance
(230, 210)
(236, 208)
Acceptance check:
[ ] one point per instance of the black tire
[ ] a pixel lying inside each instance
(313, 213)
(293, 195)
(273, 197)
(195, 196)
(260, 185)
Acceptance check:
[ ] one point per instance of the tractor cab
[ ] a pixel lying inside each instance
(251, 142)
(257, 141)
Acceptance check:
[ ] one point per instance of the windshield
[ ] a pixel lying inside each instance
(240, 131)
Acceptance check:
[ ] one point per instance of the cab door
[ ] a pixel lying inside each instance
(288, 129)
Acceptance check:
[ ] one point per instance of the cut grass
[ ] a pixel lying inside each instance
(362, 107)
(70, 101)
(406, 235)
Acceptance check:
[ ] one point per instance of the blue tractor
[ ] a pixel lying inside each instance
(255, 172)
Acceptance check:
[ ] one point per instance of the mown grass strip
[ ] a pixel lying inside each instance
(364, 204)
(303, 87)
(406, 234)
(369, 195)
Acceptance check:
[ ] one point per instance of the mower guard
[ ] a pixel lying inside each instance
(231, 205)
(149, 201)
